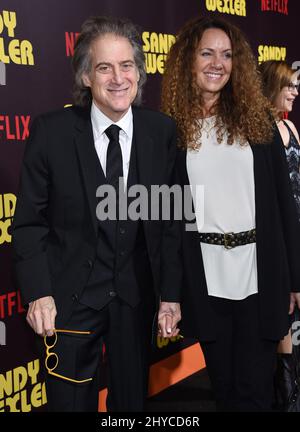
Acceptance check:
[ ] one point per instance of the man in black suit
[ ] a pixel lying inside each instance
(86, 279)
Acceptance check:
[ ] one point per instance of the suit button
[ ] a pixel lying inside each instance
(75, 297)
(112, 293)
(122, 230)
(122, 253)
(89, 263)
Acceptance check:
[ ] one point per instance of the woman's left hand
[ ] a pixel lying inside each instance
(169, 315)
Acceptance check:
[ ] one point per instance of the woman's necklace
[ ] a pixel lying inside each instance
(208, 124)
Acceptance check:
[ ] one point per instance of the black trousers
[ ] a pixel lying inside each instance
(240, 363)
(126, 332)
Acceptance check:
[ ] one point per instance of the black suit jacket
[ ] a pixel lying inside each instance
(55, 225)
(278, 249)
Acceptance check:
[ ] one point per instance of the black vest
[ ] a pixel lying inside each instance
(121, 267)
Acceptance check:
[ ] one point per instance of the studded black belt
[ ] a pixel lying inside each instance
(229, 240)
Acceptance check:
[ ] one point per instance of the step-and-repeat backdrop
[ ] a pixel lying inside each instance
(36, 46)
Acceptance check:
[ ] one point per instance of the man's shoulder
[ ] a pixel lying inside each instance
(151, 115)
(65, 116)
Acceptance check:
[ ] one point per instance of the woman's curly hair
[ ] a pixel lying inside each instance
(242, 110)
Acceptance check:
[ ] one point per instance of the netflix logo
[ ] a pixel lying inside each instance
(280, 6)
(10, 303)
(14, 127)
(70, 38)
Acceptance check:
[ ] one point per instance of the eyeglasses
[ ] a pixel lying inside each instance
(291, 86)
(50, 368)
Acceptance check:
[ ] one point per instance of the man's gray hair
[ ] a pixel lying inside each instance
(91, 29)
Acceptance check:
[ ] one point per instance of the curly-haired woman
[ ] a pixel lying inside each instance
(280, 86)
(241, 264)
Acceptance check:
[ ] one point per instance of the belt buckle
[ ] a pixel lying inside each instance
(226, 240)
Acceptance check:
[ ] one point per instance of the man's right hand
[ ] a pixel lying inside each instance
(41, 315)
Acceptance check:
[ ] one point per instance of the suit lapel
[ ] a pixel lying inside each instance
(88, 159)
(181, 166)
(144, 148)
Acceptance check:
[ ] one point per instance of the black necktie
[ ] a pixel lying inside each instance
(114, 165)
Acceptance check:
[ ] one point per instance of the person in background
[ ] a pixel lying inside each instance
(280, 86)
(85, 278)
(241, 262)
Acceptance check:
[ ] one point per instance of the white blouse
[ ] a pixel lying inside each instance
(226, 172)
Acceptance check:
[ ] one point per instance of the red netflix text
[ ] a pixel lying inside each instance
(14, 127)
(10, 303)
(280, 6)
(71, 38)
